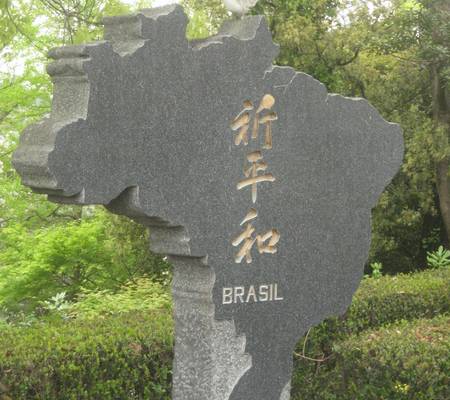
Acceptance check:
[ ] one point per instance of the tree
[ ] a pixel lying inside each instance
(29, 29)
(33, 230)
(417, 34)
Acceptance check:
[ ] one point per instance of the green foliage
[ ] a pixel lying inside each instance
(57, 303)
(380, 302)
(129, 246)
(123, 353)
(31, 29)
(376, 268)
(400, 362)
(77, 256)
(388, 299)
(119, 357)
(406, 49)
(205, 17)
(439, 258)
(61, 258)
(142, 295)
(46, 249)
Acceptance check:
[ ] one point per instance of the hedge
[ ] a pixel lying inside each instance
(383, 301)
(123, 357)
(129, 355)
(407, 361)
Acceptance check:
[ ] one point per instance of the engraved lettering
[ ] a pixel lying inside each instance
(247, 240)
(264, 293)
(239, 294)
(251, 294)
(227, 296)
(254, 174)
(276, 294)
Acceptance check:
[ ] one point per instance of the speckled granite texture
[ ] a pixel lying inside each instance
(141, 123)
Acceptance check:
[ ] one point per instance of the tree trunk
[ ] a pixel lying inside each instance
(441, 116)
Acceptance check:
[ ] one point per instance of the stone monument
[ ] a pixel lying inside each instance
(255, 181)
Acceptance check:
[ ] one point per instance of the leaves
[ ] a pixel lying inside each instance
(142, 295)
(380, 333)
(72, 258)
(439, 258)
(125, 356)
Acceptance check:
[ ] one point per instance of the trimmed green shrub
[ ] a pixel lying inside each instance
(110, 351)
(394, 298)
(121, 357)
(383, 301)
(407, 361)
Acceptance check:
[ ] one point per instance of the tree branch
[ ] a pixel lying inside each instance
(19, 29)
(6, 154)
(320, 360)
(350, 60)
(413, 61)
(4, 114)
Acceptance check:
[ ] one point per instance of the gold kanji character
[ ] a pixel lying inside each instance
(273, 236)
(267, 102)
(267, 120)
(242, 123)
(248, 241)
(246, 237)
(252, 174)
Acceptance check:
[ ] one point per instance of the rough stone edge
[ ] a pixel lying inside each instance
(68, 75)
(210, 357)
(212, 366)
(286, 393)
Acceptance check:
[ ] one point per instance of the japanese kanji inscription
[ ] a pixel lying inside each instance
(242, 122)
